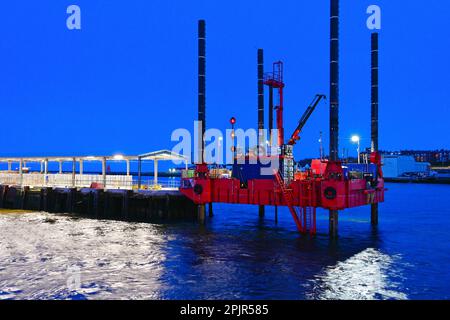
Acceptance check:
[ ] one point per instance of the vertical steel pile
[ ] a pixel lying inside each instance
(261, 138)
(374, 111)
(260, 96)
(334, 100)
(201, 103)
(201, 84)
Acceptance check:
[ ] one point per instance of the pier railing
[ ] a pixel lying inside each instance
(148, 183)
(62, 180)
(123, 182)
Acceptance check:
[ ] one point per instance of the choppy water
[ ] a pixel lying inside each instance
(236, 256)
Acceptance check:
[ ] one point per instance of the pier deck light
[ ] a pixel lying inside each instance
(118, 157)
(355, 139)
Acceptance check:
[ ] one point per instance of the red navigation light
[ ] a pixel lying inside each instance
(233, 120)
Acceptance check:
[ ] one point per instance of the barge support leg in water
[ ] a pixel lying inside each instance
(201, 213)
(210, 209)
(334, 99)
(261, 211)
(333, 219)
(276, 214)
(374, 113)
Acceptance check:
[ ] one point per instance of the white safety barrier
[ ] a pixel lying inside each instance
(66, 180)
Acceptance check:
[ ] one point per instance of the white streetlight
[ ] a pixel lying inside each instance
(118, 157)
(357, 139)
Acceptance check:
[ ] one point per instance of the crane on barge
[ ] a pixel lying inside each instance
(328, 184)
(295, 136)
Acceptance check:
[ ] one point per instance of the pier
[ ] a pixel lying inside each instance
(23, 177)
(104, 196)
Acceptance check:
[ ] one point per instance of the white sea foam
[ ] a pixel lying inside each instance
(114, 259)
(364, 276)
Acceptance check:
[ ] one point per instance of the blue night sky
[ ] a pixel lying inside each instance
(129, 78)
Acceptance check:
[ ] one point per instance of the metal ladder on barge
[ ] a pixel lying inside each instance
(305, 220)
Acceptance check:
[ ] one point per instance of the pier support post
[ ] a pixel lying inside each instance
(21, 172)
(81, 167)
(60, 167)
(106, 204)
(261, 211)
(23, 201)
(201, 213)
(139, 172)
(168, 207)
(45, 171)
(57, 204)
(3, 194)
(73, 172)
(210, 209)
(90, 204)
(104, 172)
(18, 198)
(48, 199)
(96, 202)
(70, 204)
(125, 204)
(333, 228)
(155, 172)
(43, 199)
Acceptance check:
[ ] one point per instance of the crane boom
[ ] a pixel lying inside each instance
(295, 136)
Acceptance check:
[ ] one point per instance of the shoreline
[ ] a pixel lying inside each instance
(418, 181)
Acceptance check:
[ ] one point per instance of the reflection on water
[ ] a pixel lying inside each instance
(43, 255)
(39, 252)
(365, 276)
(236, 256)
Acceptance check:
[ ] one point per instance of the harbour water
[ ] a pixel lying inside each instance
(236, 255)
